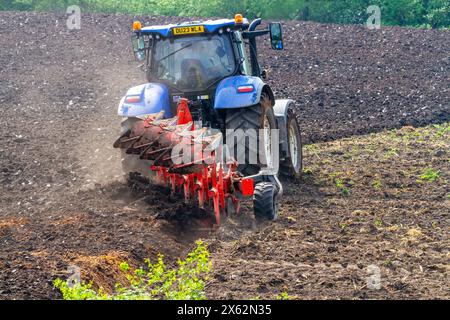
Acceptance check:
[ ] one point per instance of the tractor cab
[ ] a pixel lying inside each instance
(193, 56)
(192, 59)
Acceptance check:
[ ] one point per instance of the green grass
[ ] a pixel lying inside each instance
(283, 296)
(342, 185)
(442, 129)
(378, 222)
(429, 175)
(392, 152)
(377, 184)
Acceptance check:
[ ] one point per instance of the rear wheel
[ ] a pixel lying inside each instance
(264, 201)
(252, 154)
(292, 165)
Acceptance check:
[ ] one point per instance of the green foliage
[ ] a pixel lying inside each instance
(378, 222)
(344, 190)
(437, 13)
(401, 12)
(78, 291)
(343, 185)
(283, 296)
(377, 184)
(429, 175)
(391, 153)
(156, 281)
(442, 130)
(428, 13)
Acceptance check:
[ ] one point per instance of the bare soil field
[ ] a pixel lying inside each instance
(374, 108)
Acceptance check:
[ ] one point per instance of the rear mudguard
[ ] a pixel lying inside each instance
(154, 97)
(282, 109)
(228, 96)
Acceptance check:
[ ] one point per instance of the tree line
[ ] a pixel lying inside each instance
(416, 13)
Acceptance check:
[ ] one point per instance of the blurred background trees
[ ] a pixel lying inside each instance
(418, 13)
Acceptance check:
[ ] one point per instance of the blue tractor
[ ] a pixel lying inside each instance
(213, 65)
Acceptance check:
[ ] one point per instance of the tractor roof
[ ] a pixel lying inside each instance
(210, 26)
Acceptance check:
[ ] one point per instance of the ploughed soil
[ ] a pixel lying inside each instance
(373, 201)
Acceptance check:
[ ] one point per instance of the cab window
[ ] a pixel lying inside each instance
(244, 53)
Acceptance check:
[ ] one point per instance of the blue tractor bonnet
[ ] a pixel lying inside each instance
(211, 26)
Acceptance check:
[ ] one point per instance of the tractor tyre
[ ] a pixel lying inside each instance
(264, 201)
(257, 117)
(292, 166)
(131, 164)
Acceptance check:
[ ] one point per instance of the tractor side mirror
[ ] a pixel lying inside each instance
(265, 74)
(138, 43)
(276, 36)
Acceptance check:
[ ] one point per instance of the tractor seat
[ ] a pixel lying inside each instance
(193, 74)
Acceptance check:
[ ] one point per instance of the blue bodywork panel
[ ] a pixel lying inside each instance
(211, 26)
(154, 97)
(228, 97)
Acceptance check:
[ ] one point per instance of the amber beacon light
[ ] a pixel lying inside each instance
(137, 26)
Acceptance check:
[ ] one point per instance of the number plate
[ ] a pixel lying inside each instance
(188, 30)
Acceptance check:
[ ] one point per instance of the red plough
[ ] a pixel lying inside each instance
(212, 182)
